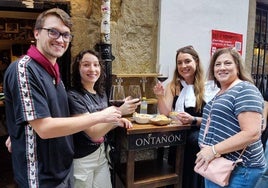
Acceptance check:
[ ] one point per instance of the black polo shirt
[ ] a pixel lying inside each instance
(31, 93)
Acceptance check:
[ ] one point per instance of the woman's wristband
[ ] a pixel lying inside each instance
(216, 154)
(194, 121)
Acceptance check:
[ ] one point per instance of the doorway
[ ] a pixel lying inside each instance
(259, 68)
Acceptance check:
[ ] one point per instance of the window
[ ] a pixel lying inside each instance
(259, 68)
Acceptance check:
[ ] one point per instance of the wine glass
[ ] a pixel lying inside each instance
(135, 91)
(163, 73)
(117, 95)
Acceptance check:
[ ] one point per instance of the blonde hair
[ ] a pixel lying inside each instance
(199, 81)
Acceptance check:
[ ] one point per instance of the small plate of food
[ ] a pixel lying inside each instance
(160, 119)
(142, 118)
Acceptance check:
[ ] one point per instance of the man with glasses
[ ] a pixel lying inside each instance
(37, 111)
(55, 34)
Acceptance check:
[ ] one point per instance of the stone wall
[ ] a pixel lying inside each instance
(134, 28)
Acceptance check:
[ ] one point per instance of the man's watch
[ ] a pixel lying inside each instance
(216, 154)
(194, 121)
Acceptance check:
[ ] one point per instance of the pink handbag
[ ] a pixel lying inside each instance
(219, 169)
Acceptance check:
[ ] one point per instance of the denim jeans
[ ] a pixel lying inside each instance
(241, 177)
(263, 181)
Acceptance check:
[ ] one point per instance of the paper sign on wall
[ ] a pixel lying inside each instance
(223, 39)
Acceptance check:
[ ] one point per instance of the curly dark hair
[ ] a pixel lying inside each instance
(76, 78)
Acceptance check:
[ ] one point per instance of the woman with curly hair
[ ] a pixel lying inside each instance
(91, 169)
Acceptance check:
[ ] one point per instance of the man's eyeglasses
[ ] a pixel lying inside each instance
(55, 34)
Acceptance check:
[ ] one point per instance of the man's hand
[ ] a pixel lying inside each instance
(111, 114)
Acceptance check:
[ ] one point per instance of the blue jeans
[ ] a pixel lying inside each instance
(263, 181)
(241, 177)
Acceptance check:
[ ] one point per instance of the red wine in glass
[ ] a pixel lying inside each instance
(117, 95)
(162, 78)
(163, 72)
(116, 103)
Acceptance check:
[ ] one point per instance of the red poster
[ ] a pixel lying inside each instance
(223, 39)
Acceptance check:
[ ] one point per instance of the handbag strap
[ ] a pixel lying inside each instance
(206, 131)
(208, 121)
(242, 153)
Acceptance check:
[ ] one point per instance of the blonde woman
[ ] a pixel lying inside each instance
(185, 95)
